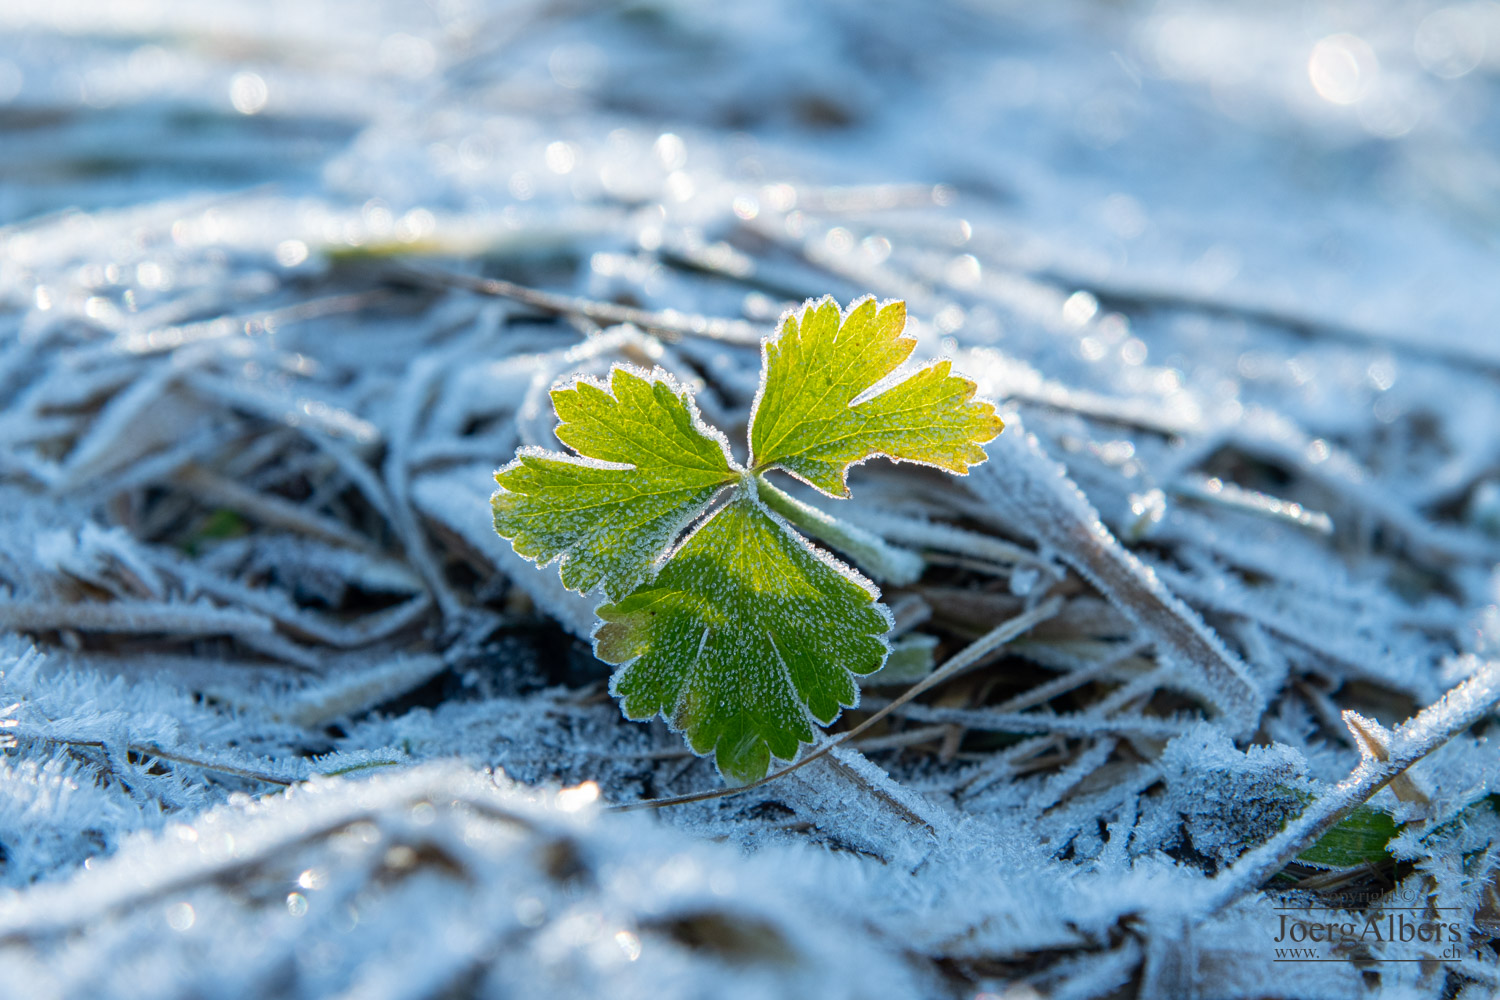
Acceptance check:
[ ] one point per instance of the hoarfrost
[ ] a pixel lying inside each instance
(1229, 800)
(265, 659)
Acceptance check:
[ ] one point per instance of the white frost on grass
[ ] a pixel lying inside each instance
(251, 397)
(519, 891)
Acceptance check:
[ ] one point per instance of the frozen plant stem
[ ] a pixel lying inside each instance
(148, 750)
(1457, 710)
(672, 324)
(870, 552)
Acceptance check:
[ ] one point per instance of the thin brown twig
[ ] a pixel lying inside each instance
(675, 324)
(148, 750)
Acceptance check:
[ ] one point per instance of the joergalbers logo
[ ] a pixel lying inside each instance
(1393, 927)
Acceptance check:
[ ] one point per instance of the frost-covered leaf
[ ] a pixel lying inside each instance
(743, 634)
(645, 466)
(1358, 839)
(810, 418)
(164, 355)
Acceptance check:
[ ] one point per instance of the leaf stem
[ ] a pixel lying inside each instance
(883, 561)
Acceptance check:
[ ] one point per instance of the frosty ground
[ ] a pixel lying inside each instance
(284, 717)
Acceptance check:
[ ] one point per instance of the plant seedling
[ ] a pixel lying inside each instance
(720, 616)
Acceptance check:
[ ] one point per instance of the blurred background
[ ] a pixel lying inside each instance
(1334, 162)
(1235, 266)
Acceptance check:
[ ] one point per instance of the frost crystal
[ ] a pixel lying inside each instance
(281, 285)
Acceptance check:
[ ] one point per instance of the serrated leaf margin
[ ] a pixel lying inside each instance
(822, 555)
(898, 375)
(602, 383)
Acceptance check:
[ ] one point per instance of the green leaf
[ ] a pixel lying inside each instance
(810, 419)
(646, 466)
(744, 633)
(1360, 838)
